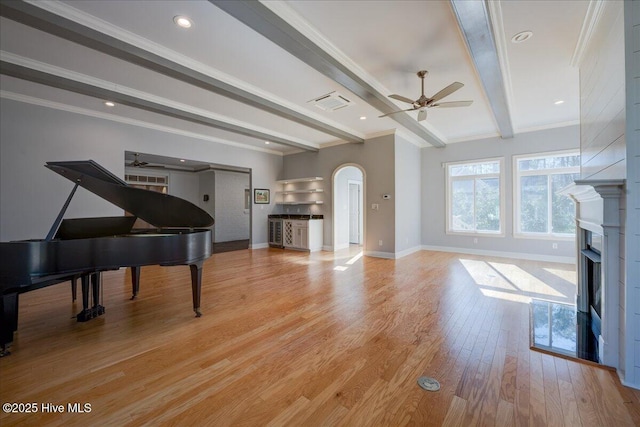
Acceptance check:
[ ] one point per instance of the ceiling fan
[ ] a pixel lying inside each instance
(136, 163)
(423, 102)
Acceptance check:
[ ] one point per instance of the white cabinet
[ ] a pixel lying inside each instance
(302, 234)
(300, 191)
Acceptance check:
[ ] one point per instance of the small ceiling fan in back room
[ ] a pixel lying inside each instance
(136, 163)
(423, 102)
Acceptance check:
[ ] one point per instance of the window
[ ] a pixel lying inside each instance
(475, 197)
(539, 210)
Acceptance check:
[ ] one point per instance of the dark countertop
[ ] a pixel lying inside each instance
(294, 216)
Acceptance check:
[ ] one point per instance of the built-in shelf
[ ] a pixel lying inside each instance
(313, 190)
(295, 180)
(300, 191)
(302, 202)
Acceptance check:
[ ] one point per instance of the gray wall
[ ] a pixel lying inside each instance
(376, 157)
(232, 222)
(207, 185)
(631, 318)
(31, 195)
(433, 191)
(408, 196)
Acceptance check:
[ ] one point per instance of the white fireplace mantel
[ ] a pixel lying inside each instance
(598, 210)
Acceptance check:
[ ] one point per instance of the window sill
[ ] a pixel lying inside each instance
(474, 233)
(556, 237)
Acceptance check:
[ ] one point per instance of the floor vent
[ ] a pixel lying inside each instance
(331, 102)
(429, 384)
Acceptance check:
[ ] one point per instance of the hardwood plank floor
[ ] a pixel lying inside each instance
(289, 338)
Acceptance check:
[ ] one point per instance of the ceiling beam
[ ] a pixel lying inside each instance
(475, 24)
(263, 20)
(61, 82)
(36, 17)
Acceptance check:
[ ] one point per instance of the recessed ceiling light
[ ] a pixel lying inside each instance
(182, 160)
(182, 21)
(363, 117)
(109, 104)
(558, 102)
(267, 142)
(522, 36)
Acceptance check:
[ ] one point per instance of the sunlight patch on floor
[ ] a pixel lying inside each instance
(524, 280)
(483, 274)
(508, 281)
(348, 263)
(568, 275)
(507, 296)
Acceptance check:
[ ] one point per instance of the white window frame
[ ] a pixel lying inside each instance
(449, 182)
(516, 193)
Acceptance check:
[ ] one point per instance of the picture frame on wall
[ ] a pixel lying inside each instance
(261, 196)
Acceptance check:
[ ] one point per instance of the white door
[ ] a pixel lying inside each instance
(354, 213)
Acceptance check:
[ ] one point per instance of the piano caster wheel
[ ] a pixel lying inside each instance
(84, 316)
(90, 313)
(4, 351)
(133, 297)
(98, 310)
(198, 313)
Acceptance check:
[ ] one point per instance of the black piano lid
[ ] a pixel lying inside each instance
(160, 210)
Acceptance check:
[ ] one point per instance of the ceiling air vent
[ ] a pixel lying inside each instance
(331, 102)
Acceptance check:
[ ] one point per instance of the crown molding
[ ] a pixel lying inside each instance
(589, 25)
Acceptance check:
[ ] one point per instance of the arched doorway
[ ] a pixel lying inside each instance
(348, 190)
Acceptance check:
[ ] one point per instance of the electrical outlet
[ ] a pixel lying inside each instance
(379, 242)
(375, 206)
(475, 240)
(554, 246)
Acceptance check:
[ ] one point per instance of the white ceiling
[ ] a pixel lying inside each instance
(383, 42)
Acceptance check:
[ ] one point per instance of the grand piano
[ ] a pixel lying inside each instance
(81, 248)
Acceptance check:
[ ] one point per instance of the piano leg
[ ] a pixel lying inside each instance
(74, 288)
(196, 286)
(97, 309)
(135, 282)
(85, 314)
(8, 321)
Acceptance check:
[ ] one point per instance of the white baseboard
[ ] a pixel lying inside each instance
(259, 246)
(512, 255)
(408, 252)
(327, 248)
(375, 254)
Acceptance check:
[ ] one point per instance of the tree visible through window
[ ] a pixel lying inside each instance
(474, 194)
(540, 210)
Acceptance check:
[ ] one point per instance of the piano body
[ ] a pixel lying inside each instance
(79, 249)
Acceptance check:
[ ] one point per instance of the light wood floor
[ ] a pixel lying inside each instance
(289, 338)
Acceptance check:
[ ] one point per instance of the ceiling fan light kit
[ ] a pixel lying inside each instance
(422, 103)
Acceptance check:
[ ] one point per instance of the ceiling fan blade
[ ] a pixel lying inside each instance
(399, 111)
(422, 115)
(446, 91)
(453, 104)
(402, 98)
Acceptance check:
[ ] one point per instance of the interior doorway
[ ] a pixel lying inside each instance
(348, 203)
(223, 191)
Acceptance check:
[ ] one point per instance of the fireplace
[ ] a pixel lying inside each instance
(592, 278)
(598, 258)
